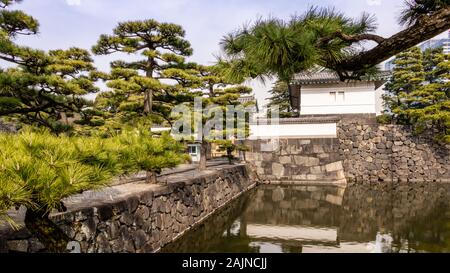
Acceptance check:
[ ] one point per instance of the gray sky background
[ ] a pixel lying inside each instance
(66, 23)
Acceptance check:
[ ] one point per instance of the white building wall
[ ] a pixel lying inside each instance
(345, 98)
(379, 103)
(322, 130)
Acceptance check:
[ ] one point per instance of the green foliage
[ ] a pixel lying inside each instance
(219, 94)
(149, 87)
(280, 98)
(408, 76)
(14, 22)
(38, 169)
(227, 146)
(417, 8)
(142, 152)
(40, 86)
(273, 47)
(384, 119)
(419, 92)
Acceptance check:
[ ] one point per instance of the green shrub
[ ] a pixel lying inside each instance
(384, 119)
(38, 169)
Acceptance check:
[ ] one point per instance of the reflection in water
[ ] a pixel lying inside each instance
(370, 218)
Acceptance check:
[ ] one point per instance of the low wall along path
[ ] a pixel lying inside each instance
(140, 217)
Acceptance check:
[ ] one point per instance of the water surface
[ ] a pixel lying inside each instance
(301, 219)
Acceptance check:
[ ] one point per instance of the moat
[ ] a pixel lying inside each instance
(300, 219)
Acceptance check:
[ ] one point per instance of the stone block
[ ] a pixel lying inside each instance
(316, 170)
(35, 246)
(318, 149)
(17, 245)
(140, 238)
(340, 174)
(104, 212)
(300, 177)
(127, 218)
(113, 230)
(332, 167)
(285, 160)
(267, 157)
(103, 245)
(312, 177)
(333, 199)
(277, 170)
(306, 161)
(132, 204)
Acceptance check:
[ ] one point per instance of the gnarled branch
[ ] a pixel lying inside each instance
(426, 27)
(351, 38)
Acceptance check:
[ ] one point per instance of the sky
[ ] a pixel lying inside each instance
(66, 23)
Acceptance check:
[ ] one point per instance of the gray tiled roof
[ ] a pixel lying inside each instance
(327, 76)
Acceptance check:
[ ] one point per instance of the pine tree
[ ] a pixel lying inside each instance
(150, 86)
(430, 63)
(419, 92)
(430, 103)
(407, 77)
(219, 92)
(39, 169)
(280, 98)
(40, 87)
(329, 38)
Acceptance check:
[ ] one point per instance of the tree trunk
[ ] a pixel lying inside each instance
(148, 101)
(242, 156)
(209, 151)
(211, 91)
(230, 156)
(148, 94)
(47, 232)
(151, 178)
(425, 28)
(203, 152)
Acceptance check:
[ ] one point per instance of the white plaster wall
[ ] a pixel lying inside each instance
(325, 130)
(379, 104)
(358, 98)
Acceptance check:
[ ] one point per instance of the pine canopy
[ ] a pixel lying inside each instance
(40, 86)
(156, 81)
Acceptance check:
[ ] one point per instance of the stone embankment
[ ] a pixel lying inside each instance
(140, 217)
(363, 151)
(375, 152)
(297, 161)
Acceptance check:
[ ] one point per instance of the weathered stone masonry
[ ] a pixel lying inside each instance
(374, 152)
(143, 219)
(364, 151)
(297, 161)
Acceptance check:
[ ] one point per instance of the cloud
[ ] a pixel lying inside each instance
(373, 2)
(73, 2)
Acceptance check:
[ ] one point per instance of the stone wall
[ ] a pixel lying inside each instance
(297, 161)
(374, 152)
(142, 218)
(208, 237)
(363, 151)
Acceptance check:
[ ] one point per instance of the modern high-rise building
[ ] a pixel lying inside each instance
(436, 43)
